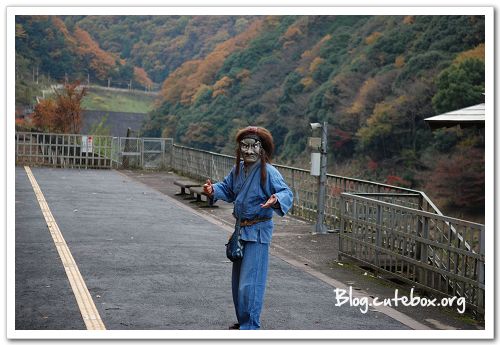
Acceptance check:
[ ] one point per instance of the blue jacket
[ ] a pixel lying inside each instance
(247, 194)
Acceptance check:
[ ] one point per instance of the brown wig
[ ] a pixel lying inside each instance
(266, 154)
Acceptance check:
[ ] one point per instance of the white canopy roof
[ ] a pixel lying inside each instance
(464, 117)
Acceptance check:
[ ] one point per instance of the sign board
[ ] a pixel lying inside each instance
(314, 143)
(315, 163)
(86, 143)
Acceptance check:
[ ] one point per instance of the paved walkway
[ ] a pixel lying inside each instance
(151, 260)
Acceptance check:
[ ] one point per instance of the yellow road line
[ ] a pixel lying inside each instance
(87, 307)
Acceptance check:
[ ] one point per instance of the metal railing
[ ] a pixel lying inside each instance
(92, 151)
(408, 243)
(201, 164)
(65, 150)
(438, 259)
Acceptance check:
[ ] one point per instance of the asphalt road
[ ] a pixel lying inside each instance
(148, 263)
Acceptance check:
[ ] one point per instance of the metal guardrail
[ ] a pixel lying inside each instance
(406, 243)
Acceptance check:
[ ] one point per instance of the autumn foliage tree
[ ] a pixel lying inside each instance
(457, 181)
(63, 113)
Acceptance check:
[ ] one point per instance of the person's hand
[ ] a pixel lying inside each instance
(208, 188)
(270, 202)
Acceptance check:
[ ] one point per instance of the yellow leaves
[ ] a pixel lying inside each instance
(201, 91)
(223, 83)
(292, 33)
(20, 32)
(475, 53)
(315, 64)
(310, 61)
(360, 102)
(307, 82)
(243, 74)
(272, 21)
(306, 55)
(325, 38)
(221, 86)
(373, 37)
(400, 61)
(380, 124)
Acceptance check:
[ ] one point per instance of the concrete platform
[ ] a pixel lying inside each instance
(154, 261)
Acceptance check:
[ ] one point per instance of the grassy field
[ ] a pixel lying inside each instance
(118, 101)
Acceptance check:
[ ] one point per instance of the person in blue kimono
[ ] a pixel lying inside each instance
(257, 190)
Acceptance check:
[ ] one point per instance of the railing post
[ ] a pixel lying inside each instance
(141, 148)
(378, 235)
(343, 215)
(424, 249)
(480, 295)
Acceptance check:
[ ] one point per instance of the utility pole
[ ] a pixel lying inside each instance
(320, 226)
(37, 74)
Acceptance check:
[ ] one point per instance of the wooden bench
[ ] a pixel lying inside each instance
(198, 192)
(186, 184)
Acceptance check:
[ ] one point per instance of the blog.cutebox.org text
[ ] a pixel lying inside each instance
(343, 296)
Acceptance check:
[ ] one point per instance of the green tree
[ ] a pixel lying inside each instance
(459, 86)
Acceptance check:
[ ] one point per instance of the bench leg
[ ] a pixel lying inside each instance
(197, 198)
(183, 191)
(209, 204)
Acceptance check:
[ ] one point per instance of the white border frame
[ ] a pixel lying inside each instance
(488, 12)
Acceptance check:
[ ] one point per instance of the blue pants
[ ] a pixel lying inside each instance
(249, 284)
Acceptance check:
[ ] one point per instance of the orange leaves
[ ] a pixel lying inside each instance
(183, 84)
(141, 77)
(100, 61)
(373, 37)
(44, 115)
(59, 24)
(292, 33)
(408, 20)
(475, 53)
(400, 61)
(62, 115)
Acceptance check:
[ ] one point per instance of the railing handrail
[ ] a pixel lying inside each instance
(418, 212)
(350, 179)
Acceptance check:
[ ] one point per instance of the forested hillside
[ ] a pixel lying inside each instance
(373, 78)
(144, 49)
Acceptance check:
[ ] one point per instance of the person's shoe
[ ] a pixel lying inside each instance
(235, 326)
